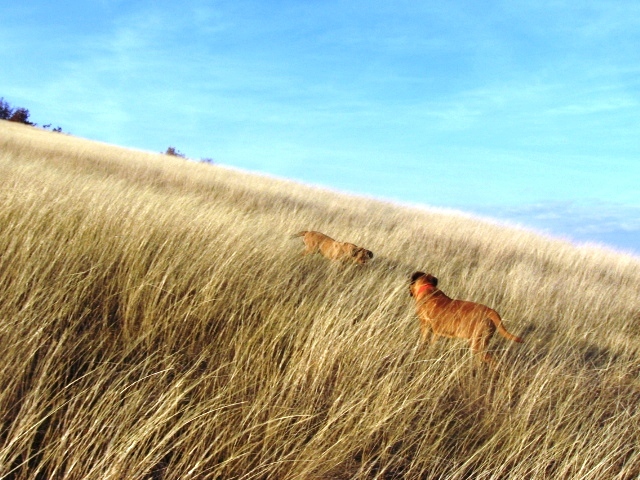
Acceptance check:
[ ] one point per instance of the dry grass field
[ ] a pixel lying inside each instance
(157, 321)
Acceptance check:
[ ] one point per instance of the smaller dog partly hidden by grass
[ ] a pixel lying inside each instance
(332, 249)
(443, 316)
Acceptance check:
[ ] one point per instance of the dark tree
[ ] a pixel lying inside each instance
(5, 110)
(174, 152)
(20, 115)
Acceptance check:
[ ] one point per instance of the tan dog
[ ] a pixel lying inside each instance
(444, 316)
(332, 249)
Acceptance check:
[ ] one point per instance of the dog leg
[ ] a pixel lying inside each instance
(479, 348)
(425, 331)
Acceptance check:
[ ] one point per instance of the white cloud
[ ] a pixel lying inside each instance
(617, 225)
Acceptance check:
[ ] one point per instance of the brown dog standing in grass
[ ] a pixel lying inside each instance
(332, 249)
(443, 316)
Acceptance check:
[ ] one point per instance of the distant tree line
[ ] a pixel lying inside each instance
(174, 152)
(19, 115)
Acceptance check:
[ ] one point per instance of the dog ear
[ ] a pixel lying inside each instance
(432, 280)
(416, 276)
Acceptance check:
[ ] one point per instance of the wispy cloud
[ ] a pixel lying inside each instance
(456, 104)
(602, 105)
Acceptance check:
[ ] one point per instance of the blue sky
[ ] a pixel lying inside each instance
(522, 111)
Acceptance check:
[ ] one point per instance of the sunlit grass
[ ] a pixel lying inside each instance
(157, 321)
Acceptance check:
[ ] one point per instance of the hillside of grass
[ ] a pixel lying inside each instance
(158, 322)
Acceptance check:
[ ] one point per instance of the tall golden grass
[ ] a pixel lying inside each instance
(157, 321)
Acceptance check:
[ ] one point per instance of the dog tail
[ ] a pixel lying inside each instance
(299, 234)
(497, 321)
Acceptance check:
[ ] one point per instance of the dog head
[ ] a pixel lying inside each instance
(361, 255)
(421, 279)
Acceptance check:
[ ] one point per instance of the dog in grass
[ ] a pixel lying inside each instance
(442, 316)
(316, 242)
